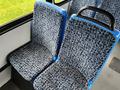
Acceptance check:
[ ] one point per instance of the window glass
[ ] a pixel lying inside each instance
(58, 1)
(13, 9)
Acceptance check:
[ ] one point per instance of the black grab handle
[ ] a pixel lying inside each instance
(109, 15)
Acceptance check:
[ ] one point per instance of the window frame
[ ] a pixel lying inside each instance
(19, 21)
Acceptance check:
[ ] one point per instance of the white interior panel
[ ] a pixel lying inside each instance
(12, 40)
(9, 42)
(5, 76)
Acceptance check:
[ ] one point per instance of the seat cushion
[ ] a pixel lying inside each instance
(60, 76)
(30, 60)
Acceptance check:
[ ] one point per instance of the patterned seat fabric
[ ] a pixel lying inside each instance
(76, 5)
(47, 33)
(30, 59)
(85, 49)
(86, 46)
(60, 76)
(112, 6)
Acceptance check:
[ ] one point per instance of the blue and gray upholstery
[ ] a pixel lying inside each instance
(47, 34)
(76, 5)
(112, 6)
(85, 49)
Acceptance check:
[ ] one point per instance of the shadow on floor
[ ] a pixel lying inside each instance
(9, 86)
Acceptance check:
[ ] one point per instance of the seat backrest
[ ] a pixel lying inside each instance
(112, 6)
(48, 25)
(86, 46)
(76, 5)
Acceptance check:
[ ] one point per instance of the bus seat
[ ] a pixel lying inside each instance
(46, 37)
(85, 49)
(76, 5)
(112, 6)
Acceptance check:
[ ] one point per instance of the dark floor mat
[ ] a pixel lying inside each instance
(115, 64)
(9, 86)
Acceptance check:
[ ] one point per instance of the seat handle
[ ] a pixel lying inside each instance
(109, 15)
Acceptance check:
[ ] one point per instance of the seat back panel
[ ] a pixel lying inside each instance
(48, 24)
(86, 46)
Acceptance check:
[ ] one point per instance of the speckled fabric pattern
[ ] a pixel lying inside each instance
(30, 60)
(112, 6)
(76, 5)
(47, 28)
(60, 76)
(86, 47)
(83, 52)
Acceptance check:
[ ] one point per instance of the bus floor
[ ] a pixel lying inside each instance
(9, 86)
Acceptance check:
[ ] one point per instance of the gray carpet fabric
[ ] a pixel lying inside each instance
(60, 76)
(76, 5)
(48, 24)
(112, 6)
(30, 60)
(83, 52)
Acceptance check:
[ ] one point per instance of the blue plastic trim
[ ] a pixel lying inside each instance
(115, 33)
(55, 58)
(62, 30)
(119, 32)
